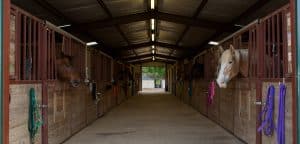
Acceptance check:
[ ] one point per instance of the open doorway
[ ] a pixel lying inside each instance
(153, 79)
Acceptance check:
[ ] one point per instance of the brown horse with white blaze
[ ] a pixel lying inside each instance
(232, 62)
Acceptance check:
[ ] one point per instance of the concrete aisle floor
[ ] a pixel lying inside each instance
(153, 119)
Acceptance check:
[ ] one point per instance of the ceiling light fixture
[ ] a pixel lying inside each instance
(152, 24)
(153, 37)
(63, 26)
(238, 25)
(153, 47)
(152, 4)
(91, 43)
(213, 43)
(153, 51)
(153, 58)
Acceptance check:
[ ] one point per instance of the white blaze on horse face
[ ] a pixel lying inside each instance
(223, 76)
(227, 68)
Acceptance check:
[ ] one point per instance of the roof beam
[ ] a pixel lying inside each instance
(107, 11)
(187, 28)
(160, 44)
(46, 5)
(148, 15)
(150, 55)
(259, 4)
(150, 60)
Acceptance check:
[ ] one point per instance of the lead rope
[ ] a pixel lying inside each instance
(34, 116)
(281, 117)
(268, 113)
(211, 92)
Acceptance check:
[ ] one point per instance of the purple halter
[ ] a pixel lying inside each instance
(268, 113)
(281, 117)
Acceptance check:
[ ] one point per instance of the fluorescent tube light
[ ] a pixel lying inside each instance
(152, 4)
(213, 43)
(91, 43)
(152, 24)
(153, 51)
(63, 26)
(153, 37)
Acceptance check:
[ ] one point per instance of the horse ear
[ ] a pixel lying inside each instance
(232, 49)
(221, 49)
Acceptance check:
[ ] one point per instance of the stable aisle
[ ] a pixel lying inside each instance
(153, 118)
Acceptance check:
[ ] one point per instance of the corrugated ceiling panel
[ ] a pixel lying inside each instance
(136, 32)
(110, 36)
(225, 11)
(125, 7)
(195, 36)
(182, 7)
(169, 32)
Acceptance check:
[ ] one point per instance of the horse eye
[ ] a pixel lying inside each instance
(230, 62)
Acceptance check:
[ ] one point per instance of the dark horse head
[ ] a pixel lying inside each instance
(65, 70)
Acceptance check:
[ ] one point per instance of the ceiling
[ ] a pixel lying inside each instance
(122, 27)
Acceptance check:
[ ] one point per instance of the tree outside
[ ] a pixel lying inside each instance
(154, 73)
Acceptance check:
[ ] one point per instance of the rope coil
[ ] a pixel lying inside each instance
(281, 115)
(267, 125)
(34, 116)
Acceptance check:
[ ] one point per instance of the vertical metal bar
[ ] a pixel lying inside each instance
(279, 45)
(34, 60)
(48, 53)
(254, 51)
(295, 21)
(4, 60)
(23, 43)
(273, 51)
(18, 46)
(43, 51)
(270, 74)
(29, 57)
(53, 56)
(250, 49)
(284, 42)
(39, 50)
(261, 53)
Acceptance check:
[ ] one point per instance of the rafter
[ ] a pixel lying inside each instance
(46, 5)
(150, 60)
(259, 4)
(199, 9)
(152, 14)
(150, 55)
(148, 44)
(107, 11)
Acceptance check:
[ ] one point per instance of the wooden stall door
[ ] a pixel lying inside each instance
(245, 110)
(288, 112)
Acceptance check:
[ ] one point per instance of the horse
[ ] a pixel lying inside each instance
(231, 63)
(65, 70)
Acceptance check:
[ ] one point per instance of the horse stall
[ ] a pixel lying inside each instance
(237, 106)
(69, 83)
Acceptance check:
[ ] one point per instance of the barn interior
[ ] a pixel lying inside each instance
(108, 42)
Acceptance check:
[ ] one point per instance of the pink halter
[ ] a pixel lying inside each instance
(211, 92)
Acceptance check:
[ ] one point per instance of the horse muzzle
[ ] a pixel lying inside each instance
(222, 84)
(75, 83)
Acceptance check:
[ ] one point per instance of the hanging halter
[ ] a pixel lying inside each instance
(281, 115)
(211, 92)
(268, 113)
(34, 116)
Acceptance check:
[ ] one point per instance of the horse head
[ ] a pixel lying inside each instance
(231, 62)
(66, 71)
